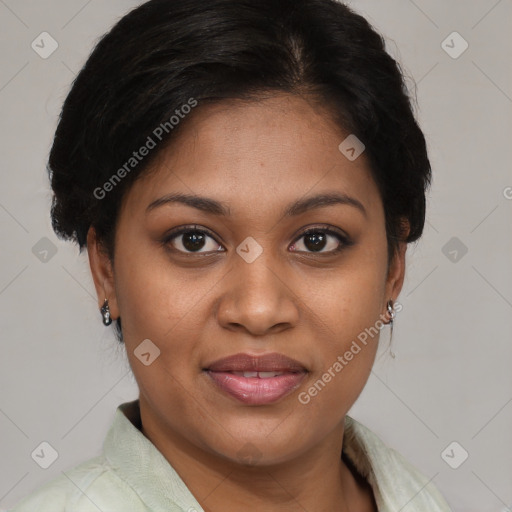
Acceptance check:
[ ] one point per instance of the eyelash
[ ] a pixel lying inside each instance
(344, 240)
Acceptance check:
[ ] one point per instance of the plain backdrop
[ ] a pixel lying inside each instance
(448, 393)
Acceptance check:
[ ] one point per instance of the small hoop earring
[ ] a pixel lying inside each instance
(105, 313)
(392, 314)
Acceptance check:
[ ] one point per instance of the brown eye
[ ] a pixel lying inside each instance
(189, 240)
(318, 239)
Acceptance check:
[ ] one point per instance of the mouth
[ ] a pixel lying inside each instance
(256, 380)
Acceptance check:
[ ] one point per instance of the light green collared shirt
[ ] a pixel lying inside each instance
(131, 475)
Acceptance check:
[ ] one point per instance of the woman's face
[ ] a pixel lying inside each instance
(246, 280)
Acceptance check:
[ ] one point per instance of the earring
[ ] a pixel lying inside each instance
(105, 312)
(392, 314)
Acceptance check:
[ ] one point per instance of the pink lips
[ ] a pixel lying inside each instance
(267, 378)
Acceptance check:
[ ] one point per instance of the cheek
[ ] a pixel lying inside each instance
(165, 304)
(348, 308)
(347, 299)
(153, 296)
(343, 368)
(159, 304)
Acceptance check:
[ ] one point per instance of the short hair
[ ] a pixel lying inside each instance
(166, 54)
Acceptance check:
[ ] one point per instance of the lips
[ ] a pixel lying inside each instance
(272, 362)
(256, 380)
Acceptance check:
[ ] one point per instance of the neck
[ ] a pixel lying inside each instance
(317, 480)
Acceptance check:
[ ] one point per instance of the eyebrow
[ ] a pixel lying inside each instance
(298, 207)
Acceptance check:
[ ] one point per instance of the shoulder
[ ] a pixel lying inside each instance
(395, 481)
(88, 487)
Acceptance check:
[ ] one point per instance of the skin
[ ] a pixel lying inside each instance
(256, 158)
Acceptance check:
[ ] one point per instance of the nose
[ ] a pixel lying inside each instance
(257, 299)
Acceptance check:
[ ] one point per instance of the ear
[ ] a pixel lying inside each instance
(396, 272)
(102, 273)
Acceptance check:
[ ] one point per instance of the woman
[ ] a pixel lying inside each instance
(246, 177)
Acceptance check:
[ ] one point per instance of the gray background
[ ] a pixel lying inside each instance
(61, 374)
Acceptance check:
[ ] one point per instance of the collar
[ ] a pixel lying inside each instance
(139, 463)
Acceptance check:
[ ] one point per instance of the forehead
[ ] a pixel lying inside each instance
(257, 154)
